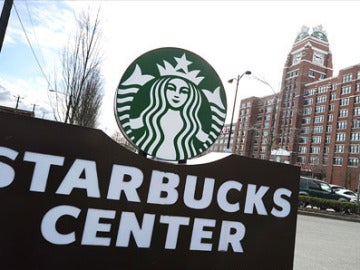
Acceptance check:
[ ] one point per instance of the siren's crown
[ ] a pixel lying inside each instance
(180, 70)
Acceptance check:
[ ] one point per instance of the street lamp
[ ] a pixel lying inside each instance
(232, 116)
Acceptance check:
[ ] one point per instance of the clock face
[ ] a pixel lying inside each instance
(297, 58)
(318, 58)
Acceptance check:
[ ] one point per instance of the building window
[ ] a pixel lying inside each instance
(309, 92)
(314, 160)
(346, 90)
(308, 101)
(322, 89)
(344, 101)
(322, 76)
(355, 136)
(331, 107)
(321, 99)
(319, 119)
(357, 111)
(333, 96)
(316, 139)
(301, 160)
(357, 99)
(292, 74)
(326, 149)
(330, 117)
(340, 137)
(328, 139)
(268, 109)
(318, 129)
(325, 161)
(356, 123)
(354, 149)
(311, 73)
(353, 161)
(347, 78)
(306, 120)
(334, 86)
(302, 149)
(339, 148)
(341, 124)
(305, 130)
(329, 128)
(307, 111)
(315, 150)
(343, 113)
(358, 87)
(320, 109)
(303, 140)
(338, 161)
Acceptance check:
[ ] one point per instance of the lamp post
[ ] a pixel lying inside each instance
(236, 90)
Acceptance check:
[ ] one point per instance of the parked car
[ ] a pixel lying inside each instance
(348, 193)
(336, 187)
(317, 188)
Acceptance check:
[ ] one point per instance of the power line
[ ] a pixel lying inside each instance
(33, 30)
(32, 49)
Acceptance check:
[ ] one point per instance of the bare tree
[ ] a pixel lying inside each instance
(79, 90)
(119, 138)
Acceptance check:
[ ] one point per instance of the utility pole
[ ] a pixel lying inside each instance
(17, 101)
(5, 14)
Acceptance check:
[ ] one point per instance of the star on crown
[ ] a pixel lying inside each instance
(181, 70)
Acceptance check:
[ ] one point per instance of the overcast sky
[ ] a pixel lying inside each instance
(233, 36)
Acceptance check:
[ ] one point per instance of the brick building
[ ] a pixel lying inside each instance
(220, 145)
(314, 119)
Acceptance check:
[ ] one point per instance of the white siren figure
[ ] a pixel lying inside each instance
(171, 120)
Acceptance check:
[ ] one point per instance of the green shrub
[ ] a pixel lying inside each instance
(325, 204)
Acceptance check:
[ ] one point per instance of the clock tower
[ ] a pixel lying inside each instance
(309, 60)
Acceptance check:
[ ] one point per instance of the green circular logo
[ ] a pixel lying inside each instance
(170, 104)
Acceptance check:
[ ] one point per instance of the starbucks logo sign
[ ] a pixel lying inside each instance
(171, 104)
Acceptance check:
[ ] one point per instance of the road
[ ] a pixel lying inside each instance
(326, 244)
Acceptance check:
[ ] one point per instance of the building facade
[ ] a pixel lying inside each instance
(315, 117)
(220, 145)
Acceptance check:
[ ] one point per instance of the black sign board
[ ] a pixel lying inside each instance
(71, 198)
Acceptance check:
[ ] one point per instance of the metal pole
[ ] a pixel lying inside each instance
(233, 111)
(17, 102)
(4, 19)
